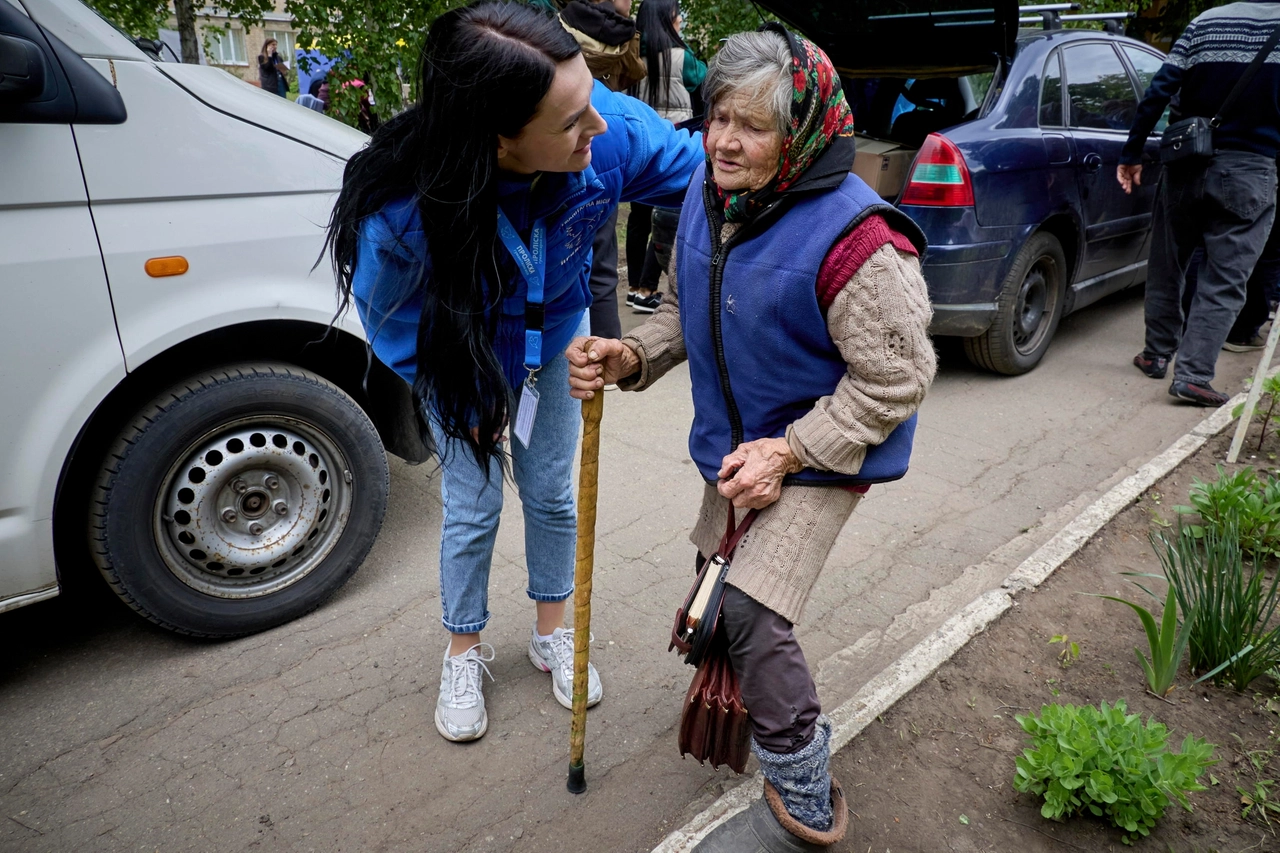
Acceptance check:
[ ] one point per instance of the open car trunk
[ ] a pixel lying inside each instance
(906, 38)
(910, 68)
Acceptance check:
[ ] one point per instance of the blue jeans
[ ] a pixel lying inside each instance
(473, 504)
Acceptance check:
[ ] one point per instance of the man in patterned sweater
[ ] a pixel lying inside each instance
(1226, 202)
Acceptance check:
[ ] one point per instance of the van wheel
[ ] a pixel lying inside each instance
(1028, 311)
(238, 500)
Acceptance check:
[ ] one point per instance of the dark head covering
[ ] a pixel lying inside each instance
(821, 123)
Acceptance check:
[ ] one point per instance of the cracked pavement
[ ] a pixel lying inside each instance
(318, 736)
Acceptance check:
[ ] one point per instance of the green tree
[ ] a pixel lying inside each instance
(1157, 21)
(143, 18)
(383, 38)
(706, 22)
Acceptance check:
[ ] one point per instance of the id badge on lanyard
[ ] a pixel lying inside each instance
(532, 262)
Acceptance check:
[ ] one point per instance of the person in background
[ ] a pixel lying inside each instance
(674, 74)
(1225, 203)
(797, 299)
(462, 234)
(271, 70)
(366, 119)
(311, 99)
(611, 46)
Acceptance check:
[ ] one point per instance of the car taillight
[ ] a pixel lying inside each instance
(939, 177)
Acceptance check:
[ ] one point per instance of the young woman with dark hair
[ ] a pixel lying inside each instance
(463, 236)
(272, 73)
(674, 75)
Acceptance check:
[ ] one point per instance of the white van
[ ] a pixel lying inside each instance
(174, 405)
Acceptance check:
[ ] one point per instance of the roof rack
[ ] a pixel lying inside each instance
(1049, 16)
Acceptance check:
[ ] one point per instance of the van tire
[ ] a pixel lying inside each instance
(238, 500)
(1027, 312)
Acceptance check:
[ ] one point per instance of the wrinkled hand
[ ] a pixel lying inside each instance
(1129, 177)
(751, 476)
(597, 362)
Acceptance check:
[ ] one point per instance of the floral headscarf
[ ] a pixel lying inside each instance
(819, 114)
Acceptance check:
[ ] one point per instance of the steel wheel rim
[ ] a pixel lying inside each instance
(1035, 305)
(252, 507)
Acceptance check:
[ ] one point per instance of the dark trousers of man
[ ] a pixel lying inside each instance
(605, 322)
(1261, 292)
(1227, 204)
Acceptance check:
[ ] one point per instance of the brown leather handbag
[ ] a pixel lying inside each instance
(714, 725)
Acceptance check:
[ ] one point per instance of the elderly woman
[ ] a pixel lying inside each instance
(797, 298)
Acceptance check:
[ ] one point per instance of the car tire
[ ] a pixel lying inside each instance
(1027, 312)
(238, 500)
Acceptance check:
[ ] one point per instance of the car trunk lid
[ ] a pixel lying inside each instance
(906, 38)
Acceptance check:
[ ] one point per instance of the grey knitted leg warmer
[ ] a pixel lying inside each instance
(802, 778)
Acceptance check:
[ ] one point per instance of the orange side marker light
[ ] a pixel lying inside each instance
(161, 267)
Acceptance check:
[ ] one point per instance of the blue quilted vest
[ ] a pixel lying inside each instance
(764, 358)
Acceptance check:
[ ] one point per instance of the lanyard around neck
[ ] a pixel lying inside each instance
(532, 261)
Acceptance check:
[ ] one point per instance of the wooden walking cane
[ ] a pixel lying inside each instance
(588, 478)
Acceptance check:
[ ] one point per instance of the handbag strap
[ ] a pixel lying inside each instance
(1247, 76)
(733, 533)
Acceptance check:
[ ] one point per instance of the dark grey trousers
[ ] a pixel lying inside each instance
(776, 685)
(1228, 205)
(605, 322)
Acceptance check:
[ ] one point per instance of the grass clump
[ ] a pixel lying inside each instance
(1107, 763)
(1230, 603)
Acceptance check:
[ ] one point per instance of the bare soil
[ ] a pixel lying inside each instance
(935, 773)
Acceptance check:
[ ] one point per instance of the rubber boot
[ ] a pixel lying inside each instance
(766, 827)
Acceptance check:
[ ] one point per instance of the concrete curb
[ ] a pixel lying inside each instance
(908, 671)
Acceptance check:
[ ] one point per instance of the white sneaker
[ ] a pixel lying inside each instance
(556, 657)
(460, 713)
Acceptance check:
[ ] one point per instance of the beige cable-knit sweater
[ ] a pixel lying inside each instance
(879, 322)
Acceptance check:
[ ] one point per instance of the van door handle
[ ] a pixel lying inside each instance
(1092, 162)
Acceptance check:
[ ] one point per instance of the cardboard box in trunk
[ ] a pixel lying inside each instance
(883, 164)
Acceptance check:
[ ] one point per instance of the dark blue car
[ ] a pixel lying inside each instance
(1019, 133)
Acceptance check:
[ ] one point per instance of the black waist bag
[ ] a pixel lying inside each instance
(1189, 139)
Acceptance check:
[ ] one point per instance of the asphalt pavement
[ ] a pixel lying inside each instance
(319, 735)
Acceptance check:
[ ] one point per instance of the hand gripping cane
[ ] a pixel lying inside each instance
(588, 478)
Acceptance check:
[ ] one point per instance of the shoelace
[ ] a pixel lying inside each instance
(465, 678)
(562, 645)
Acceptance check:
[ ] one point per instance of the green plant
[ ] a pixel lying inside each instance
(1070, 650)
(1166, 642)
(1241, 501)
(1266, 406)
(1107, 763)
(1258, 801)
(1230, 606)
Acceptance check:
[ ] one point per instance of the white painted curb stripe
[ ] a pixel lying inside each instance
(907, 672)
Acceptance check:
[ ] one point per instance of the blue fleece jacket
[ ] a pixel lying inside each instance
(641, 157)
(1204, 65)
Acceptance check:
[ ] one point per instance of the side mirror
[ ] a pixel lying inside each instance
(22, 70)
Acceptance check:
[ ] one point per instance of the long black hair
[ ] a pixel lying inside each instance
(484, 69)
(656, 22)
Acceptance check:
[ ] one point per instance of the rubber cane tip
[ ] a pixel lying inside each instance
(577, 778)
